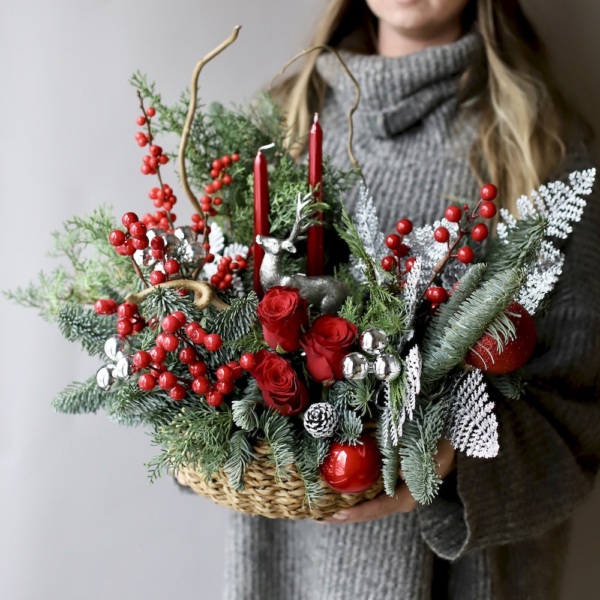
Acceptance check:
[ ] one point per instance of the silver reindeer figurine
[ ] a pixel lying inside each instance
(325, 293)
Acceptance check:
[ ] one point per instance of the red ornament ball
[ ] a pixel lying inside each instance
(404, 226)
(489, 192)
(453, 214)
(352, 469)
(515, 354)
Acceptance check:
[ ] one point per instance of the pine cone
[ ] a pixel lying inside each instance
(320, 420)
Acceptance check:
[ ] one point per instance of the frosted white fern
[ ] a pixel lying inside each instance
(412, 373)
(473, 427)
(367, 225)
(507, 223)
(412, 288)
(542, 276)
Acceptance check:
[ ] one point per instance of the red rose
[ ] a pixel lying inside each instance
(282, 313)
(326, 343)
(280, 385)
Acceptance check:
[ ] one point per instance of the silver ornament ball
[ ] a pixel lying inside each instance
(186, 234)
(191, 254)
(387, 367)
(115, 347)
(105, 377)
(373, 340)
(124, 368)
(355, 366)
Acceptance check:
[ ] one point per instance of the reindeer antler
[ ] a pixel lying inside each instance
(299, 227)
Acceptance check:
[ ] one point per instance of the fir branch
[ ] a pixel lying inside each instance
(241, 454)
(279, 434)
(79, 324)
(244, 409)
(349, 427)
(310, 456)
(78, 398)
(510, 386)
(470, 322)
(389, 454)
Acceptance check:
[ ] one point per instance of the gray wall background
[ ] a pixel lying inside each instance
(77, 519)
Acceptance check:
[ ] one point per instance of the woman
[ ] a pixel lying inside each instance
(453, 93)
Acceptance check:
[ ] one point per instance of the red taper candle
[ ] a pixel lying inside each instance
(315, 245)
(261, 212)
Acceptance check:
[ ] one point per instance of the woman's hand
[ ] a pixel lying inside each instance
(384, 505)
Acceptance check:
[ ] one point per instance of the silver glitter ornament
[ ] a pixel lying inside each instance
(115, 347)
(355, 366)
(320, 420)
(172, 244)
(124, 368)
(105, 377)
(191, 254)
(387, 367)
(144, 258)
(185, 234)
(373, 340)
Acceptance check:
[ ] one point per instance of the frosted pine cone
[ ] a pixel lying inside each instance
(320, 420)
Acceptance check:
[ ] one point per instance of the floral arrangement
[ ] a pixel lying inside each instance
(211, 335)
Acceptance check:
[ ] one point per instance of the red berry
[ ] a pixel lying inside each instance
(227, 179)
(247, 361)
(150, 111)
(158, 354)
(465, 255)
(235, 157)
(209, 189)
(212, 342)
(487, 210)
(167, 380)
(124, 327)
(402, 250)
(127, 310)
(142, 359)
(146, 382)
(201, 385)
(393, 241)
(224, 373)
(137, 229)
(236, 369)
(453, 214)
(171, 266)
(408, 265)
(157, 277)
(105, 306)
(116, 237)
(177, 392)
(388, 263)
(128, 218)
(155, 150)
(157, 243)
(197, 369)
(225, 387)
(170, 324)
(138, 324)
(140, 243)
(436, 295)
(217, 165)
(441, 234)
(404, 226)
(479, 232)
(489, 192)
(217, 184)
(141, 121)
(226, 160)
(180, 317)
(169, 342)
(187, 356)
(142, 139)
(163, 159)
(214, 398)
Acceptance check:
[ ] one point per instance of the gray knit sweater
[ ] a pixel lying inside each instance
(500, 526)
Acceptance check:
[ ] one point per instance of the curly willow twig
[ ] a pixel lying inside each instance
(187, 127)
(352, 79)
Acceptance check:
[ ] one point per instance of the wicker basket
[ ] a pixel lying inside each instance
(263, 495)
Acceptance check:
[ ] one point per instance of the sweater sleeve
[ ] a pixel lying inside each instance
(550, 438)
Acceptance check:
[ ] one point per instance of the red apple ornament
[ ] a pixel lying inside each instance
(514, 355)
(352, 469)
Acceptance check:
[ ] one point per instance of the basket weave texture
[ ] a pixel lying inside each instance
(264, 495)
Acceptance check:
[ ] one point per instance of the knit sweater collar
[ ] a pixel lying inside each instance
(397, 93)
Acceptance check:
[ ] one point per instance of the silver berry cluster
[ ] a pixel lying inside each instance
(121, 367)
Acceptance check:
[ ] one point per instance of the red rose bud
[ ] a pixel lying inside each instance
(283, 313)
(282, 389)
(326, 344)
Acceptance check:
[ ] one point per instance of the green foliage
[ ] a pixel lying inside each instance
(419, 446)
(79, 324)
(77, 398)
(511, 385)
(349, 428)
(197, 437)
(309, 457)
(278, 431)
(241, 455)
(161, 302)
(390, 458)
(244, 409)
(469, 322)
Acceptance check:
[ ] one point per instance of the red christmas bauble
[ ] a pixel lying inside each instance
(352, 469)
(514, 355)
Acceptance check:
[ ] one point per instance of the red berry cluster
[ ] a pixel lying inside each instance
(226, 269)
(220, 177)
(155, 156)
(159, 220)
(177, 334)
(399, 249)
(130, 321)
(135, 238)
(163, 197)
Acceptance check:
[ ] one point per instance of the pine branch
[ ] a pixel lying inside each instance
(389, 453)
(310, 456)
(279, 434)
(241, 454)
(78, 398)
(244, 409)
(349, 428)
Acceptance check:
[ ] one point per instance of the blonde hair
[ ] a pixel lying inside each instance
(521, 118)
